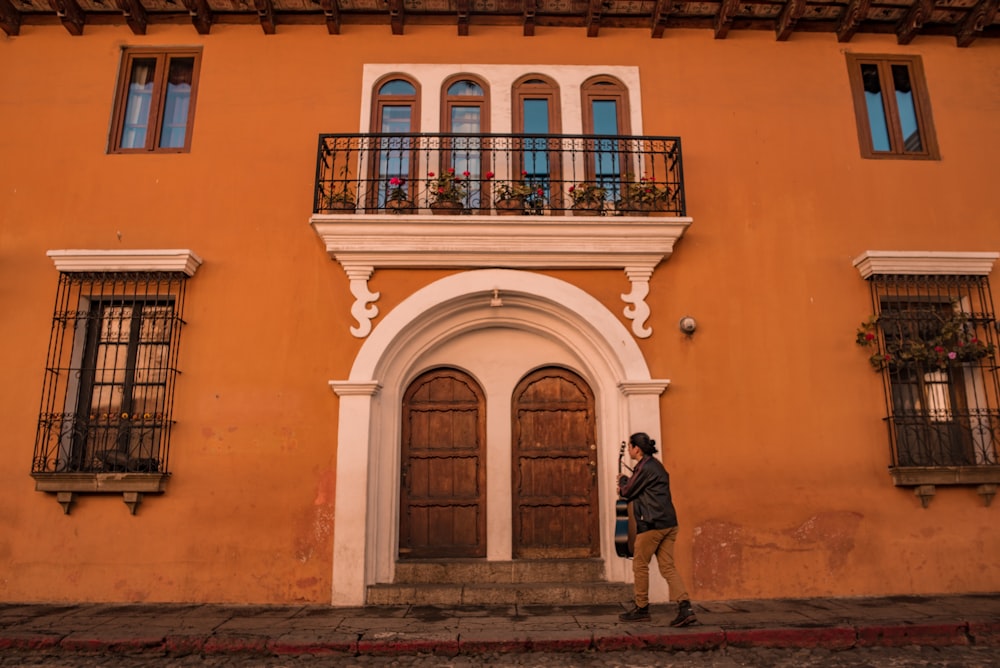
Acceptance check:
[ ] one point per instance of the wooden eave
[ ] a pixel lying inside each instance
(908, 20)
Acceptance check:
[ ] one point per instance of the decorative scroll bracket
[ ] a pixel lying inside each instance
(363, 244)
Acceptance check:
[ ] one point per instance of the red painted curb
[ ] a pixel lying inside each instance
(483, 646)
(30, 642)
(227, 644)
(613, 643)
(836, 637)
(384, 647)
(577, 644)
(913, 634)
(688, 640)
(183, 644)
(985, 633)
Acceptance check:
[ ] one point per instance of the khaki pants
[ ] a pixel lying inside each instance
(661, 543)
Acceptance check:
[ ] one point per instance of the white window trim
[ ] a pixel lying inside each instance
(126, 260)
(941, 263)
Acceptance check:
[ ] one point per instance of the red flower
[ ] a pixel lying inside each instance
(451, 170)
(430, 174)
(869, 336)
(489, 175)
(465, 174)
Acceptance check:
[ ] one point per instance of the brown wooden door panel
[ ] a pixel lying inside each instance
(554, 467)
(443, 477)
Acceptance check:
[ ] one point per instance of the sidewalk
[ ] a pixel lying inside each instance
(839, 623)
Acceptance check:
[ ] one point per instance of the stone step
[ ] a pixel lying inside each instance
(481, 582)
(538, 593)
(462, 571)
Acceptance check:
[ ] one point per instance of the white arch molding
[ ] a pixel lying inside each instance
(497, 325)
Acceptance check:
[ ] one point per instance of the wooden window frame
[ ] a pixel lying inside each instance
(483, 102)
(163, 57)
(379, 102)
(921, 103)
(521, 90)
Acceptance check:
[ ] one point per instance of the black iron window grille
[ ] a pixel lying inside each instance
(938, 357)
(107, 395)
(480, 174)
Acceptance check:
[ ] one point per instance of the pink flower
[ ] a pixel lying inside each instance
(952, 355)
(395, 181)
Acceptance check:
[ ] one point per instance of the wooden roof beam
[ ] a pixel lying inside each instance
(790, 15)
(913, 21)
(594, 17)
(978, 18)
(10, 18)
(70, 14)
(396, 16)
(331, 10)
(464, 8)
(530, 7)
(661, 14)
(201, 15)
(724, 19)
(135, 15)
(851, 19)
(265, 12)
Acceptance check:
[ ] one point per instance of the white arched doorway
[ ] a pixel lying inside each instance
(496, 325)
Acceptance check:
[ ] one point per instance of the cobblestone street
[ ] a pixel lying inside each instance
(869, 657)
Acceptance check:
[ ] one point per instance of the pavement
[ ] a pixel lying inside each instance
(183, 629)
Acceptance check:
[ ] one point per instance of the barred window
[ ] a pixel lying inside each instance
(107, 395)
(937, 354)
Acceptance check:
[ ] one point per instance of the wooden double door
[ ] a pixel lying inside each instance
(444, 462)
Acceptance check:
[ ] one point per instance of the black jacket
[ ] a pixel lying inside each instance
(649, 490)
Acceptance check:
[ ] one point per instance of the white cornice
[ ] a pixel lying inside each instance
(871, 263)
(78, 260)
(364, 244)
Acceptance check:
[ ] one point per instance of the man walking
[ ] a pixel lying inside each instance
(656, 530)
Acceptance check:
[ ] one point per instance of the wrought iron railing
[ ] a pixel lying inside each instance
(486, 174)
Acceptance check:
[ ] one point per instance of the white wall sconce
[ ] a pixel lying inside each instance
(687, 325)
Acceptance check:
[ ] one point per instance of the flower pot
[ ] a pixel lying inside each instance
(341, 207)
(512, 206)
(446, 208)
(587, 209)
(400, 206)
(630, 208)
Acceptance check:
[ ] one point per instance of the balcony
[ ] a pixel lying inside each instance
(492, 201)
(499, 174)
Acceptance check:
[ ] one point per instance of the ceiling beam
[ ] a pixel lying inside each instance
(594, 10)
(978, 18)
(913, 21)
(790, 15)
(661, 14)
(10, 18)
(70, 14)
(135, 15)
(265, 12)
(724, 19)
(201, 15)
(396, 16)
(851, 19)
(331, 10)
(464, 7)
(529, 17)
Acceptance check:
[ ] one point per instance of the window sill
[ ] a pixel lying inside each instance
(130, 485)
(924, 479)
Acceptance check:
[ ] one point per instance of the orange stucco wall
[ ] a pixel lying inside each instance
(772, 424)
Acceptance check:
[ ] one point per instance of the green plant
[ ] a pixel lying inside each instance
(645, 191)
(397, 190)
(587, 194)
(333, 198)
(520, 189)
(448, 186)
(951, 339)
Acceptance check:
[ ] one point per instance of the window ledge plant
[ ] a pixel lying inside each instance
(644, 194)
(587, 196)
(448, 187)
(955, 341)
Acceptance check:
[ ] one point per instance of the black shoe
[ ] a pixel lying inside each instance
(636, 614)
(685, 615)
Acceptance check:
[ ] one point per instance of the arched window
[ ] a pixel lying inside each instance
(395, 114)
(536, 112)
(605, 112)
(464, 116)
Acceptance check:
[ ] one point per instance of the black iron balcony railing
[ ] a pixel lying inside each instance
(487, 174)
